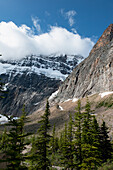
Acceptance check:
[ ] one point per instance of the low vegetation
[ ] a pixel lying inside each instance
(82, 145)
(106, 103)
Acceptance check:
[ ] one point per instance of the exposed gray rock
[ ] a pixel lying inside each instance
(94, 74)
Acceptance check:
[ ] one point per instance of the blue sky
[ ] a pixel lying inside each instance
(87, 18)
(92, 16)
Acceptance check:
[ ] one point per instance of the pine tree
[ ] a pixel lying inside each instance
(4, 141)
(70, 144)
(16, 143)
(86, 126)
(66, 149)
(106, 147)
(32, 152)
(41, 145)
(54, 142)
(63, 147)
(78, 133)
(3, 147)
(90, 140)
(96, 142)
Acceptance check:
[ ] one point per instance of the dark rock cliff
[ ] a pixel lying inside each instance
(30, 81)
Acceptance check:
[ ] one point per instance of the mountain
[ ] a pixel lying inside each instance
(93, 75)
(32, 80)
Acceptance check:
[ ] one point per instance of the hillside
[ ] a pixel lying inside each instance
(102, 108)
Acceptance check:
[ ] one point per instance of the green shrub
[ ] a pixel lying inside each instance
(107, 166)
(107, 104)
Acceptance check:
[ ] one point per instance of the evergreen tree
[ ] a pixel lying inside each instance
(3, 147)
(4, 141)
(96, 141)
(90, 140)
(64, 148)
(87, 123)
(70, 144)
(54, 142)
(15, 143)
(67, 146)
(78, 133)
(41, 145)
(91, 147)
(106, 147)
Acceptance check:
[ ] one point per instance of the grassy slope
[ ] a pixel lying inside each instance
(102, 108)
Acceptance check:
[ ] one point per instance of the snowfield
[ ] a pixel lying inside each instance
(53, 95)
(105, 94)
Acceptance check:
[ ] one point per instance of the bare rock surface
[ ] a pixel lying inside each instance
(94, 74)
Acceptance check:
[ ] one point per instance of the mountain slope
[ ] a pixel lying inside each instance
(32, 80)
(94, 74)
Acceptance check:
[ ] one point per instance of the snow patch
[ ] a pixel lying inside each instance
(105, 94)
(4, 119)
(74, 100)
(53, 95)
(61, 108)
(70, 58)
(67, 100)
(35, 104)
(5, 87)
(50, 72)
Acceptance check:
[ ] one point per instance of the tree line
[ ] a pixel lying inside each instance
(82, 145)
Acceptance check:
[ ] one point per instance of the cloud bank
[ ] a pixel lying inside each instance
(17, 42)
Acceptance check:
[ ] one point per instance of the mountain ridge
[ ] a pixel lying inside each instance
(92, 75)
(32, 80)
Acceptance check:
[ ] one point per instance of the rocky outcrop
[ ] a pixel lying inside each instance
(94, 74)
(30, 81)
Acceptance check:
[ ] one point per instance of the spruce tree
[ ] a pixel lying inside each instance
(41, 145)
(70, 144)
(78, 133)
(54, 141)
(67, 146)
(96, 141)
(90, 140)
(15, 143)
(106, 147)
(4, 141)
(86, 125)
(64, 148)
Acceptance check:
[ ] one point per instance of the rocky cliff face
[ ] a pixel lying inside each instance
(32, 80)
(94, 74)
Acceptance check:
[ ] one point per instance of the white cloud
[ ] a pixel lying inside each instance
(36, 24)
(74, 30)
(69, 15)
(17, 42)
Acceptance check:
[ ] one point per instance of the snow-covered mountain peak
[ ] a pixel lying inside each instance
(32, 80)
(53, 66)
